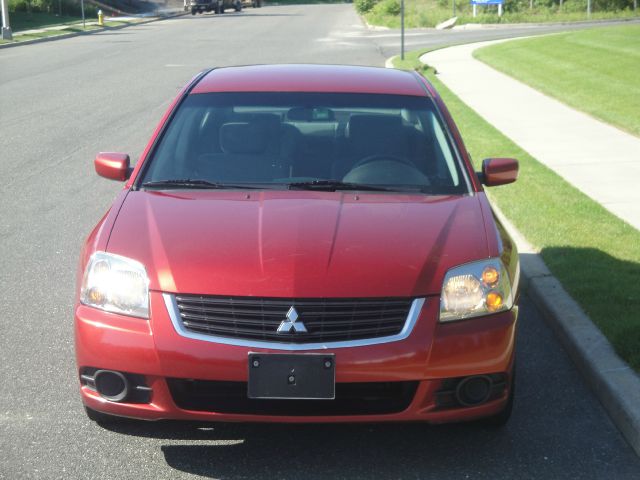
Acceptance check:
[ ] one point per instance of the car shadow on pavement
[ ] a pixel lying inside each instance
(325, 451)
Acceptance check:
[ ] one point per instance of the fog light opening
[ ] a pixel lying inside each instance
(474, 390)
(112, 386)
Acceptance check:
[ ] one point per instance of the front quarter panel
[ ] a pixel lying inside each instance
(99, 237)
(500, 244)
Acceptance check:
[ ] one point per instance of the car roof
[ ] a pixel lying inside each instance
(311, 78)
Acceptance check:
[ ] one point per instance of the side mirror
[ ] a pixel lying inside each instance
(499, 171)
(114, 166)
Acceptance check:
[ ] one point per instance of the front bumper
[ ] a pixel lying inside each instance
(430, 355)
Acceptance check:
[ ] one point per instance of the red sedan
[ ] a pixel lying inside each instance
(300, 243)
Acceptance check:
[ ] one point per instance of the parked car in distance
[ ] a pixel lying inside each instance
(300, 243)
(217, 6)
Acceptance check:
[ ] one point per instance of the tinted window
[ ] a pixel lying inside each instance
(280, 138)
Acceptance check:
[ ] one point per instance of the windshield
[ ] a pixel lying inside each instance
(300, 140)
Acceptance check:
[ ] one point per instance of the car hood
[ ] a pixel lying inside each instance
(298, 244)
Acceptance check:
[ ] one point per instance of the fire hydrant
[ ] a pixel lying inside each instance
(100, 18)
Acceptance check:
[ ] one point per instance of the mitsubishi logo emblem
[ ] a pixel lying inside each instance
(292, 323)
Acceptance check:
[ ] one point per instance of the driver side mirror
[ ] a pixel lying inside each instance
(498, 171)
(114, 166)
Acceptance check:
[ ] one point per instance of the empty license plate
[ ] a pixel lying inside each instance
(307, 376)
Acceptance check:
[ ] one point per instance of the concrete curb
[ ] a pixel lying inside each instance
(90, 32)
(613, 381)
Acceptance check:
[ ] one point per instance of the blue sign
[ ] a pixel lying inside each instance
(487, 2)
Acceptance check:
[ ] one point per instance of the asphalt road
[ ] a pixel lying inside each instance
(60, 103)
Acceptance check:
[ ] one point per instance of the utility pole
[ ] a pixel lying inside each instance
(84, 27)
(401, 30)
(588, 8)
(453, 2)
(6, 28)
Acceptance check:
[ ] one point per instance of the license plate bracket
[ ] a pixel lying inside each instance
(303, 376)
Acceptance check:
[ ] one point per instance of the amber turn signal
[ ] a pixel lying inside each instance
(490, 276)
(494, 301)
(96, 296)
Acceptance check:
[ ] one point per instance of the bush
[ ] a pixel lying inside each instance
(388, 7)
(364, 6)
(68, 7)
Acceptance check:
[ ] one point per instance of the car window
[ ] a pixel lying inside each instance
(283, 138)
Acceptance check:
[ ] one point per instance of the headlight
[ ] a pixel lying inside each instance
(475, 289)
(116, 284)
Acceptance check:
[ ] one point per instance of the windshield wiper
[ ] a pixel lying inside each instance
(333, 185)
(194, 183)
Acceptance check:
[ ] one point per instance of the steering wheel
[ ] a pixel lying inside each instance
(380, 157)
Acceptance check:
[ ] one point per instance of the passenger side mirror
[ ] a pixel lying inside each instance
(114, 166)
(499, 171)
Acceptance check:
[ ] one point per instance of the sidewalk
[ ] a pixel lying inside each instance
(600, 160)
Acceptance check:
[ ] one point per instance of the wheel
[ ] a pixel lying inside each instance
(193, 11)
(259, 2)
(501, 418)
(237, 6)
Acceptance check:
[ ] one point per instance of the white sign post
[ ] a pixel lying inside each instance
(475, 4)
(402, 30)
(6, 28)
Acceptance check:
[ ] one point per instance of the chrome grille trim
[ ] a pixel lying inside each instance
(174, 314)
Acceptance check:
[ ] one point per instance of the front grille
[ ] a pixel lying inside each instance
(373, 398)
(325, 320)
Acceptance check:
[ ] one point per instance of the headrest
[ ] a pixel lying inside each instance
(376, 134)
(243, 138)
(308, 114)
(368, 126)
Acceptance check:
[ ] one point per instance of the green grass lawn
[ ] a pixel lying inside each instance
(30, 21)
(73, 27)
(594, 254)
(596, 70)
(428, 13)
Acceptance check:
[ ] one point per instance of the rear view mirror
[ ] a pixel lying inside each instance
(499, 171)
(114, 166)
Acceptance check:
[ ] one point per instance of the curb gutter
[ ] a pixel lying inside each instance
(89, 32)
(612, 380)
